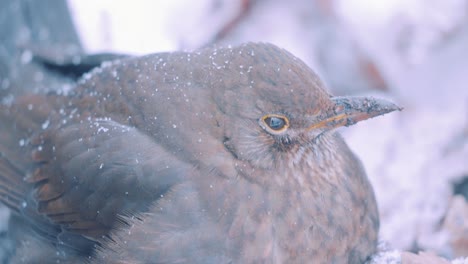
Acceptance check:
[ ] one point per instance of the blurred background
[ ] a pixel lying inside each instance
(414, 52)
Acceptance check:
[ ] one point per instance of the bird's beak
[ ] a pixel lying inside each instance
(348, 111)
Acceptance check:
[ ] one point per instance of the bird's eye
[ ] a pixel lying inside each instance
(275, 123)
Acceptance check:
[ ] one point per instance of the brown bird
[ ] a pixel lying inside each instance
(222, 155)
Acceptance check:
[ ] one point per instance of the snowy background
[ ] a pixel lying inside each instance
(414, 52)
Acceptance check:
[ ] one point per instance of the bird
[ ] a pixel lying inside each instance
(219, 155)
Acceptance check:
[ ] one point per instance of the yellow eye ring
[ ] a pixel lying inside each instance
(274, 123)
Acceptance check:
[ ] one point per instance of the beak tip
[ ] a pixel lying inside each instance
(379, 107)
(356, 109)
(387, 106)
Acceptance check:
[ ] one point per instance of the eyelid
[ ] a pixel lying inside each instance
(286, 125)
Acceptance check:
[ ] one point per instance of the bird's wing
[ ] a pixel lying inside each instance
(75, 66)
(82, 176)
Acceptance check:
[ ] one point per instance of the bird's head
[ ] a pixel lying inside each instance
(278, 109)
